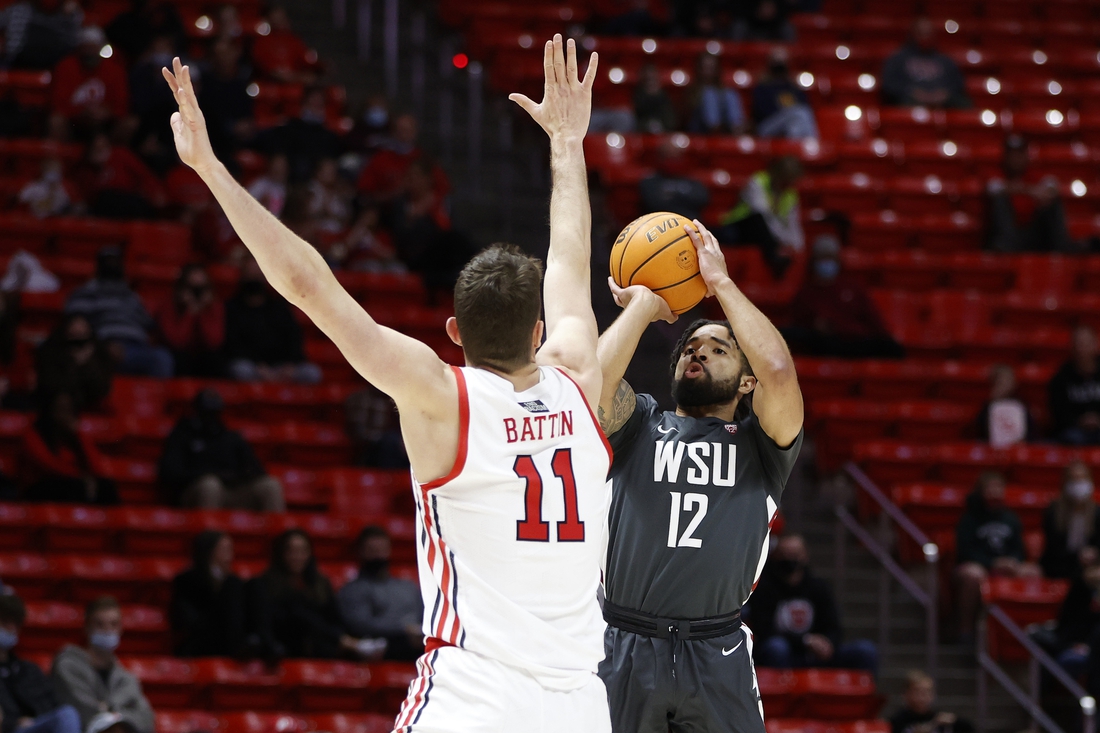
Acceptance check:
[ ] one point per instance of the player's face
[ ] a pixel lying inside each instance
(709, 369)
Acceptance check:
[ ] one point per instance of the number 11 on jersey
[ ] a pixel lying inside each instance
(690, 501)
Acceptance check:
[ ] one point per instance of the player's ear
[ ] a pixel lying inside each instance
(748, 384)
(536, 339)
(452, 330)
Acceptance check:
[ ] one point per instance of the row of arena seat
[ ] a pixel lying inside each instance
(912, 379)
(141, 532)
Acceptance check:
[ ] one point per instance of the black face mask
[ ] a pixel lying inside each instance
(786, 567)
(374, 568)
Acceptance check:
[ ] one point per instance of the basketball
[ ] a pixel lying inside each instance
(655, 251)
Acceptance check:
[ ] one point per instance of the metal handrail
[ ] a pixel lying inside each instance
(1039, 658)
(928, 599)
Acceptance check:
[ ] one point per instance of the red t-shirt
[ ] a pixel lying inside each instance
(188, 332)
(383, 175)
(123, 171)
(279, 51)
(40, 462)
(76, 87)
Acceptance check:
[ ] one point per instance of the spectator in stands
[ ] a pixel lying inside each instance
(133, 30)
(280, 55)
(329, 199)
(116, 184)
(368, 247)
(72, 360)
(629, 18)
(224, 97)
(422, 231)
(769, 215)
(1024, 210)
(1070, 530)
(305, 139)
(208, 602)
(119, 317)
(90, 678)
(371, 420)
(192, 324)
(49, 194)
(1076, 632)
(151, 101)
(36, 36)
(1074, 392)
(27, 702)
(918, 75)
(763, 20)
(834, 315)
(795, 619)
(653, 109)
(209, 466)
(61, 463)
(671, 188)
(371, 126)
(919, 715)
(990, 541)
(1004, 419)
(377, 605)
(90, 89)
(293, 607)
(270, 188)
(715, 107)
(227, 22)
(384, 176)
(263, 341)
(779, 106)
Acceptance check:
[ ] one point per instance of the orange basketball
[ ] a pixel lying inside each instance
(655, 251)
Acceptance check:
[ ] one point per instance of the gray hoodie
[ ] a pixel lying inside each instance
(81, 685)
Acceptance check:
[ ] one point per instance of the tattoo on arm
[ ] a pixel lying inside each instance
(622, 407)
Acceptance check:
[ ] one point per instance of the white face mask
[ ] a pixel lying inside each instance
(1079, 490)
(105, 640)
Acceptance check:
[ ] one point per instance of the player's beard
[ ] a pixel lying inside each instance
(704, 390)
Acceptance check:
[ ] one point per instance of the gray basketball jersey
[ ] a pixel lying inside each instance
(692, 500)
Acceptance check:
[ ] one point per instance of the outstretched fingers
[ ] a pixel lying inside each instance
(559, 60)
(571, 62)
(590, 74)
(548, 64)
(525, 102)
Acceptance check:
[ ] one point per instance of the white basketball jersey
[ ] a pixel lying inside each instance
(511, 542)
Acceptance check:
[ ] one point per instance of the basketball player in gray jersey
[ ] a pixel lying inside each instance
(694, 493)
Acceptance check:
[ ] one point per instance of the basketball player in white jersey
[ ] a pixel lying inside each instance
(508, 461)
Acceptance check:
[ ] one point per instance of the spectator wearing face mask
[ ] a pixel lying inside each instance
(377, 605)
(1004, 419)
(27, 701)
(795, 619)
(263, 341)
(90, 678)
(919, 714)
(208, 466)
(72, 360)
(192, 324)
(990, 541)
(208, 611)
(833, 314)
(780, 108)
(1071, 535)
(60, 463)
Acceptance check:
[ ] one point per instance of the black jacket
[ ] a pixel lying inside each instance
(266, 334)
(195, 449)
(1071, 396)
(983, 535)
(208, 621)
(25, 692)
(1057, 561)
(1079, 616)
(793, 611)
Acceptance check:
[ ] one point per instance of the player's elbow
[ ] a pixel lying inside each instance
(777, 371)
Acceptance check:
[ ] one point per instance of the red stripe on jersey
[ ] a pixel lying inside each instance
(445, 586)
(405, 717)
(599, 430)
(433, 643)
(463, 433)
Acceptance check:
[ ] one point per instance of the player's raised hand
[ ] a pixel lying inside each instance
(566, 99)
(625, 296)
(712, 263)
(188, 124)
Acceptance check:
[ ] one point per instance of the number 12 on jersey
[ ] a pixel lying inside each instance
(532, 528)
(690, 501)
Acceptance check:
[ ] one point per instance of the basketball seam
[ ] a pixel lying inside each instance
(647, 259)
(686, 279)
(622, 253)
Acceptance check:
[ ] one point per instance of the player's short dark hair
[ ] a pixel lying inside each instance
(746, 368)
(12, 610)
(103, 603)
(369, 533)
(497, 304)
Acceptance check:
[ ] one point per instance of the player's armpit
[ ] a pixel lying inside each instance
(614, 413)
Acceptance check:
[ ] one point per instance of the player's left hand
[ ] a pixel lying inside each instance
(566, 99)
(712, 263)
(188, 124)
(660, 310)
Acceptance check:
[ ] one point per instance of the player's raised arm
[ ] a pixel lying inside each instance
(566, 106)
(402, 367)
(777, 399)
(641, 306)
